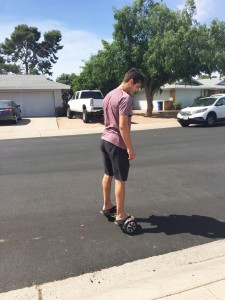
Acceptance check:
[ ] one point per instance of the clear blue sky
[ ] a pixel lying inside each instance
(83, 24)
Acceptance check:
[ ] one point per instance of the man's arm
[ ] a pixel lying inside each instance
(125, 133)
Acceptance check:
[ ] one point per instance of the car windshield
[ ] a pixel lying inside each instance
(92, 94)
(203, 102)
(5, 103)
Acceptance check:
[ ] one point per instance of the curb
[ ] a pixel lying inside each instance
(193, 273)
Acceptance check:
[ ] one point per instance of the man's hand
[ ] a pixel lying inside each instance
(131, 154)
(125, 133)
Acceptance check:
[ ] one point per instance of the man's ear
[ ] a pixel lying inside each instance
(131, 82)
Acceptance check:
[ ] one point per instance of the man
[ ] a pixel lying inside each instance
(116, 145)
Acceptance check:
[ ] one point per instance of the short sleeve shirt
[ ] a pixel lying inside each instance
(116, 103)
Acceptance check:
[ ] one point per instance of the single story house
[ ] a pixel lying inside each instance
(181, 92)
(37, 96)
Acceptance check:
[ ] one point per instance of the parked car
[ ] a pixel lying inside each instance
(88, 103)
(207, 110)
(10, 111)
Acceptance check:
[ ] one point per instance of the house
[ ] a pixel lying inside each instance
(181, 92)
(37, 96)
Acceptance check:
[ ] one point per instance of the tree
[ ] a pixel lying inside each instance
(217, 45)
(6, 68)
(100, 71)
(67, 79)
(166, 45)
(2, 65)
(33, 57)
(150, 36)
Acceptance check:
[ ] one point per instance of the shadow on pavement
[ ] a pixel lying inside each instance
(165, 115)
(20, 122)
(177, 224)
(219, 124)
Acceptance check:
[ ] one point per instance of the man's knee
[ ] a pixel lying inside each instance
(107, 177)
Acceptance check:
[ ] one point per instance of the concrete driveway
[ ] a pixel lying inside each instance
(28, 127)
(60, 126)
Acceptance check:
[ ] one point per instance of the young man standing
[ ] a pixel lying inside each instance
(116, 145)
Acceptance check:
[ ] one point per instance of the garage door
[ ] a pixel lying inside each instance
(33, 104)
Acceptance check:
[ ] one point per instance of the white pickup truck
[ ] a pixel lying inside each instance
(86, 102)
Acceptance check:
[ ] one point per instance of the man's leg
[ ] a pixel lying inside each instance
(106, 188)
(120, 199)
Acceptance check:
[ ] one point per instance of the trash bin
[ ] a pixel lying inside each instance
(160, 105)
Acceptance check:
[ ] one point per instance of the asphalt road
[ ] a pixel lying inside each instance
(50, 196)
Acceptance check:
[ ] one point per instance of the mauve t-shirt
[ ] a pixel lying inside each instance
(116, 103)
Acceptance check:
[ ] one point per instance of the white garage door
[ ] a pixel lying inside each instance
(33, 104)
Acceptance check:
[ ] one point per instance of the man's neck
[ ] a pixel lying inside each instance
(125, 87)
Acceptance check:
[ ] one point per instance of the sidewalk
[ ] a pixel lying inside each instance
(196, 273)
(62, 126)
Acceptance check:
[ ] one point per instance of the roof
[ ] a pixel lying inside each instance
(202, 84)
(29, 82)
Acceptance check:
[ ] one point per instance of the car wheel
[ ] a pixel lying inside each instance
(211, 120)
(69, 113)
(85, 116)
(184, 123)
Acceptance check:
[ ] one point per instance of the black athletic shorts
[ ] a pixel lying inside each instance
(116, 162)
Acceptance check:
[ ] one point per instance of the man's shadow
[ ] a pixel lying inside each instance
(177, 224)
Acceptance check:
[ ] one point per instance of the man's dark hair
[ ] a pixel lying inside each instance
(134, 74)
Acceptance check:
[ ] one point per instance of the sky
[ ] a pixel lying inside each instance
(83, 23)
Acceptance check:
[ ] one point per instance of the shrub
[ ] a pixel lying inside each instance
(60, 111)
(177, 105)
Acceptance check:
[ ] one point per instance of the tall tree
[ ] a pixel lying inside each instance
(150, 36)
(156, 39)
(6, 68)
(100, 71)
(167, 45)
(24, 49)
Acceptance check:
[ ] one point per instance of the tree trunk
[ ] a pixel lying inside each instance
(149, 97)
(26, 68)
